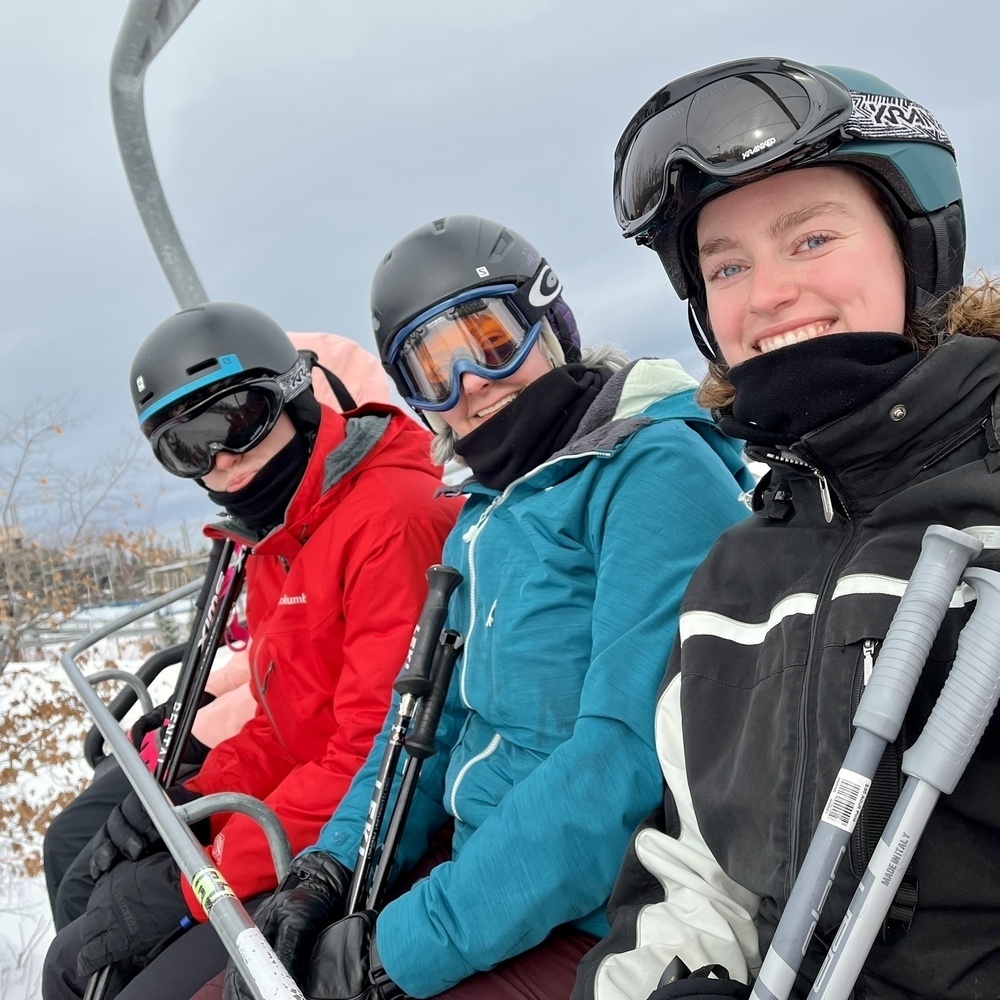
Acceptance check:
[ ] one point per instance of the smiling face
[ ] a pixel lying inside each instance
(232, 472)
(802, 254)
(482, 398)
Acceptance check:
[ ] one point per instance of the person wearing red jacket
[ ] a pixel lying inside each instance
(228, 701)
(341, 513)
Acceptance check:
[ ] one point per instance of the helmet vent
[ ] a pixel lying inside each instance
(202, 366)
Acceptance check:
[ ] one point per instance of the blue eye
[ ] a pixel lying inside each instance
(725, 271)
(815, 242)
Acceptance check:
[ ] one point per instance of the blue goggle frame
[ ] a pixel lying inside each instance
(463, 365)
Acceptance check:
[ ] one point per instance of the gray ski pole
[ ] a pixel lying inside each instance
(944, 554)
(411, 685)
(933, 765)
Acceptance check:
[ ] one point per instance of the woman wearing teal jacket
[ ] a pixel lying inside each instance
(597, 488)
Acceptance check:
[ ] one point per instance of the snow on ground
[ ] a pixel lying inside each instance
(42, 728)
(25, 932)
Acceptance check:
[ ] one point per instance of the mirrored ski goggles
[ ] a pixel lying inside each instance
(737, 118)
(479, 331)
(235, 419)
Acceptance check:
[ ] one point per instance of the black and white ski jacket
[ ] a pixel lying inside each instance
(778, 629)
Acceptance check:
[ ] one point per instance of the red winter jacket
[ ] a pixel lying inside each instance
(333, 595)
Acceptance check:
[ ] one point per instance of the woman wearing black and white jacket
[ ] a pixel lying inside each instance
(813, 220)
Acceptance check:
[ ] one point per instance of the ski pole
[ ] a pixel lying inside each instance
(419, 745)
(223, 582)
(244, 942)
(944, 554)
(198, 661)
(933, 765)
(413, 682)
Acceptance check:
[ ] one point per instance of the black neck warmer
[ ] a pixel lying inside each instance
(539, 422)
(261, 504)
(785, 394)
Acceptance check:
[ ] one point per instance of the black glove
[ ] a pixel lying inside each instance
(345, 963)
(308, 899)
(699, 985)
(194, 753)
(129, 832)
(134, 910)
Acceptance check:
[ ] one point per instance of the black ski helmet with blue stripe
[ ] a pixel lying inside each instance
(211, 346)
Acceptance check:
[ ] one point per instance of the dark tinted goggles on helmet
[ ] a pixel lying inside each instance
(235, 419)
(738, 118)
(481, 330)
(727, 121)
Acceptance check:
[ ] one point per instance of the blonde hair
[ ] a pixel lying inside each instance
(604, 356)
(973, 310)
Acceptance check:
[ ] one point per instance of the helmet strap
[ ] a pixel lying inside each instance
(701, 331)
(344, 399)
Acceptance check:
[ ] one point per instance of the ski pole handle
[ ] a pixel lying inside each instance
(934, 765)
(414, 679)
(944, 554)
(420, 740)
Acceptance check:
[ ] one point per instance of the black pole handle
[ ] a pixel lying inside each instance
(420, 740)
(414, 678)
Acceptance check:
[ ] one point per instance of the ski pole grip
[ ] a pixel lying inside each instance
(966, 703)
(420, 741)
(944, 554)
(414, 678)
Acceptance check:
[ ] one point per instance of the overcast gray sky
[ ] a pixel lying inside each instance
(298, 139)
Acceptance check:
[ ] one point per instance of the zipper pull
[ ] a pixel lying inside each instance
(824, 493)
(868, 659)
(474, 529)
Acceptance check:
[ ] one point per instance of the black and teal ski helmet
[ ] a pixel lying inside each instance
(829, 115)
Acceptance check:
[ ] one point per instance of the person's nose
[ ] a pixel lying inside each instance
(473, 383)
(773, 285)
(226, 460)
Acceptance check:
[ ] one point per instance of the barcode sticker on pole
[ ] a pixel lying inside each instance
(846, 799)
(271, 977)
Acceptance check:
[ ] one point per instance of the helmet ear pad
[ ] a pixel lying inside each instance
(934, 266)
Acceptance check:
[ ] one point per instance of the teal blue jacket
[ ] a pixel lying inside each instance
(573, 577)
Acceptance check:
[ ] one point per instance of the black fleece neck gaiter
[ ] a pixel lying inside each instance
(539, 422)
(785, 394)
(261, 504)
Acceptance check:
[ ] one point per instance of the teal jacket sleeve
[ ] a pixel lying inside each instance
(549, 852)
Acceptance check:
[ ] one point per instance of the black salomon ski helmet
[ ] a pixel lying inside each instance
(451, 255)
(868, 126)
(206, 346)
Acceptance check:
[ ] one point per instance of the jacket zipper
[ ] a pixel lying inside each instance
(472, 535)
(482, 755)
(825, 493)
(803, 754)
(262, 684)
